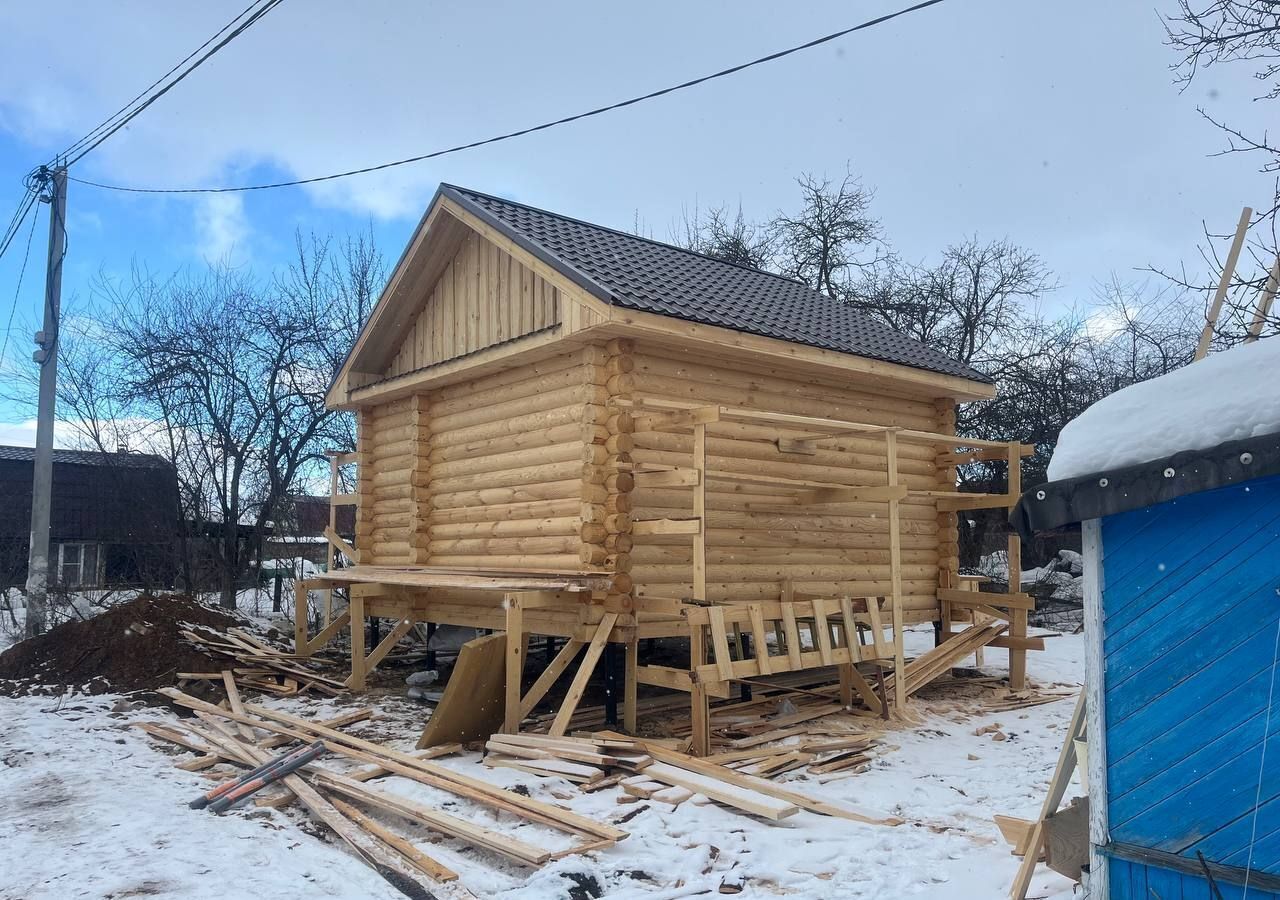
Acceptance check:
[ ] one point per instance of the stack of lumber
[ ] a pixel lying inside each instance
(260, 666)
(825, 758)
(583, 761)
(942, 658)
(336, 797)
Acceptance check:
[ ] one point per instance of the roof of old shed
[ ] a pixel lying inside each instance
(87, 458)
(649, 276)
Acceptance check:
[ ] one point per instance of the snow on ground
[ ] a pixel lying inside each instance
(91, 808)
(1226, 396)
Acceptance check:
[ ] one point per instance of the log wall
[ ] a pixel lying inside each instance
(754, 541)
(517, 466)
(484, 297)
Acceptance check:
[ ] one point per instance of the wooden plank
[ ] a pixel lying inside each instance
(514, 669)
(1053, 799)
(549, 675)
(973, 599)
(895, 573)
(882, 650)
(629, 685)
(722, 791)
(387, 644)
(758, 785)
(355, 606)
(1224, 283)
(233, 699)
(502, 844)
(700, 513)
(579, 686)
(1263, 307)
(471, 707)
(336, 540)
(822, 631)
(1018, 621)
(851, 638)
(758, 637)
(406, 764)
(423, 863)
(792, 631)
(720, 642)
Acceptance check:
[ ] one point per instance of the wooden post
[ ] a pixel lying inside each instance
(629, 685)
(1228, 270)
(700, 711)
(895, 575)
(515, 663)
(301, 623)
(700, 512)
(357, 640)
(1018, 617)
(1263, 309)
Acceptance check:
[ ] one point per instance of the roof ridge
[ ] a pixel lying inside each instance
(640, 237)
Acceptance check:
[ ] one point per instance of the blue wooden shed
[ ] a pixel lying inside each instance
(1182, 623)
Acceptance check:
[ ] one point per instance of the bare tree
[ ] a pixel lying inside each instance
(832, 237)
(726, 237)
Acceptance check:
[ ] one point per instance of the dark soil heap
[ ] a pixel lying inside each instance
(134, 646)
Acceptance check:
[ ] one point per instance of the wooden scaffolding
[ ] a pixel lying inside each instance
(730, 641)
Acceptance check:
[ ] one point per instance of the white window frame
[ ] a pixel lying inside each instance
(83, 579)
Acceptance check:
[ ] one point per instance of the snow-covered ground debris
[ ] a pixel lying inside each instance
(1224, 397)
(91, 808)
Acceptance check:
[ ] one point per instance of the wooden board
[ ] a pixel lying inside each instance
(472, 705)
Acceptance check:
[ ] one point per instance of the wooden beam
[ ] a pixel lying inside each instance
(515, 664)
(560, 725)
(973, 599)
(326, 634)
(1053, 799)
(895, 574)
(355, 610)
(700, 512)
(1263, 307)
(549, 675)
(1224, 283)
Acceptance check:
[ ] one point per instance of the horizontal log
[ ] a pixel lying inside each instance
(500, 512)
(509, 527)
(555, 562)
(572, 433)
(553, 490)
(574, 396)
(673, 574)
(532, 474)
(853, 559)
(780, 389)
(518, 374)
(506, 546)
(535, 422)
(531, 385)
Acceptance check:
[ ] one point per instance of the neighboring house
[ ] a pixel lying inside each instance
(299, 529)
(1176, 482)
(113, 521)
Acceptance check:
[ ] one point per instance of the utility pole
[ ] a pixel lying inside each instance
(55, 182)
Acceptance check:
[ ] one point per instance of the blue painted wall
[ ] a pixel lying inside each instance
(1134, 881)
(1191, 601)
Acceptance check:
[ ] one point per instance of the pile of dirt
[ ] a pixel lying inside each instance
(134, 646)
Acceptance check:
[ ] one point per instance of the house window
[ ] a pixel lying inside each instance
(77, 565)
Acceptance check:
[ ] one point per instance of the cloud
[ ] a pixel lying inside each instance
(222, 230)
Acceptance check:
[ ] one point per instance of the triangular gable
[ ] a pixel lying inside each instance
(460, 287)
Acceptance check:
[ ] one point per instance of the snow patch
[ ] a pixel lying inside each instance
(1227, 396)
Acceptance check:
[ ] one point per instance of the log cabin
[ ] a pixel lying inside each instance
(568, 430)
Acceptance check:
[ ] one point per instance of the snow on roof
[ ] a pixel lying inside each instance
(1226, 396)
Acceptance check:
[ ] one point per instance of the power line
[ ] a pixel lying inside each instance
(870, 23)
(122, 110)
(13, 309)
(231, 36)
(24, 206)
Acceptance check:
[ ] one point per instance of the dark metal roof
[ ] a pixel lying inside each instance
(87, 458)
(646, 275)
(1098, 494)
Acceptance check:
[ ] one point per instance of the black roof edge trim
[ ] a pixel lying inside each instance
(1056, 503)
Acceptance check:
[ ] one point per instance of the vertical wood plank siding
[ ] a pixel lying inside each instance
(836, 548)
(1136, 881)
(1190, 611)
(484, 297)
